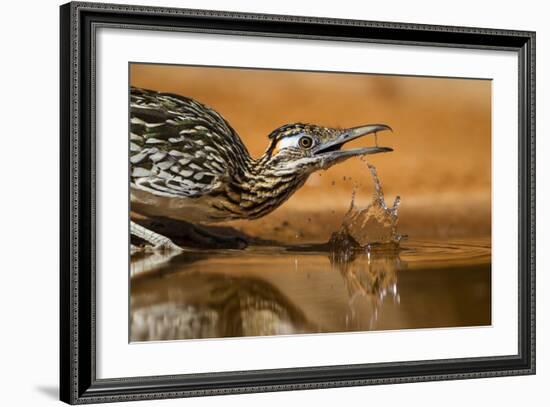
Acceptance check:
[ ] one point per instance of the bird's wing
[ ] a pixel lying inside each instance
(178, 146)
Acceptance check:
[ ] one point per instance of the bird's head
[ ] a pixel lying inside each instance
(300, 149)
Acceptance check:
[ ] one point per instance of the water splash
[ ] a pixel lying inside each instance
(375, 224)
(365, 250)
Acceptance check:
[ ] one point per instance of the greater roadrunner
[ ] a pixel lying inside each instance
(188, 163)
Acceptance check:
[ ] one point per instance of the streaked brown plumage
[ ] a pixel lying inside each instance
(188, 163)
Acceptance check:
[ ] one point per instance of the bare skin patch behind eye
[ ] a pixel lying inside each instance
(287, 142)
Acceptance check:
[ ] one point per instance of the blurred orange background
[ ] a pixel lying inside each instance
(440, 166)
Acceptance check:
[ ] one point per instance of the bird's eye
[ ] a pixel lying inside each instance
(305, 142)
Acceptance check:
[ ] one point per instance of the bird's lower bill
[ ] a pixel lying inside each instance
(331, 151)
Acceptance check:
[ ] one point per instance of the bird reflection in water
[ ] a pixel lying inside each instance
(211, 305)
(174, 298)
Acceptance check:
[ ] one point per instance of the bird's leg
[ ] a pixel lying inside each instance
(158, 241)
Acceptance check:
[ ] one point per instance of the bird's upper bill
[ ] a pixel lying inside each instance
(329, 150)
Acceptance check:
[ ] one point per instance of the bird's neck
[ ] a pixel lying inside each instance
(258, 189)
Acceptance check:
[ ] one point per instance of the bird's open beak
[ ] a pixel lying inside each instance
(330, 151)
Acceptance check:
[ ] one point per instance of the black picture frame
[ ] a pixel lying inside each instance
(78, 382)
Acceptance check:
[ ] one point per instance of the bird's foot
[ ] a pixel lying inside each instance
(166, 245)
(157, 242)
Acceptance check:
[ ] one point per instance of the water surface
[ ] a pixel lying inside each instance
(296, 290)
